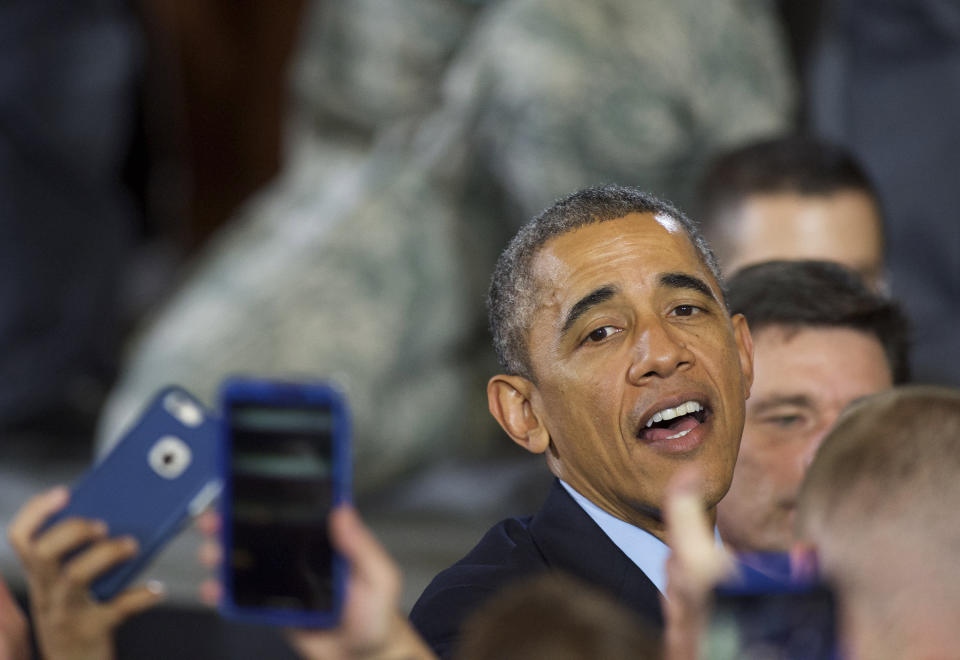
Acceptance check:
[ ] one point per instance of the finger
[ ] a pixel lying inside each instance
(211, 591)
(33, 514)
(687, 523)
(690, 535)
(208, 523)
(66, 536)
(686, 480)
(369, 560)
(210, 554)
(81, 570)
(700, 560)
(804, 564)
(133, 601)
(316, 644)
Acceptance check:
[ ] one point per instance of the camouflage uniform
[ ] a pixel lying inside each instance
(372, 269)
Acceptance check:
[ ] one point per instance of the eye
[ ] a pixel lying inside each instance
(601, 333)
(785, 421)
(686, 310)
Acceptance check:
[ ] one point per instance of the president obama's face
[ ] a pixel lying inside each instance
(637, 367)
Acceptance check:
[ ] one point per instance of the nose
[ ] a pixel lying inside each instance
(659, 352)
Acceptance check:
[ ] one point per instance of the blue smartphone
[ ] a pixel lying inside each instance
(768, 614)
(161, 472)
(285, 462)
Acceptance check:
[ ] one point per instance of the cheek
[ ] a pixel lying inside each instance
(721, 353)
(753, 472)
(590, 390)
(770, 465)
(581, 408)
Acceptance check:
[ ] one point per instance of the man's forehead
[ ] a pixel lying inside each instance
(595, 249)
(784, 335)
(851, 355)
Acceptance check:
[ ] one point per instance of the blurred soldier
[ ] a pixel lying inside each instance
(821, 339)
(792, 198)
(880, 505)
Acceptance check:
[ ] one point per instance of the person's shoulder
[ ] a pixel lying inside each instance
(505, 553)
(505, 550)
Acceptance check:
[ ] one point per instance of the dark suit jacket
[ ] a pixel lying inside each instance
(561, 536)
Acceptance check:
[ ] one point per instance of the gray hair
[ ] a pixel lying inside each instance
(511, 298)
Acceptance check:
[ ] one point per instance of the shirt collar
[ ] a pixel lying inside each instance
(649, 553)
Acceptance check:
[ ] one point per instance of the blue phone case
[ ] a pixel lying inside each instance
(160, 473)
(284, 394)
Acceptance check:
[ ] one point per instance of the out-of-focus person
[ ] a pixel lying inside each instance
(559, 617)
(68, 76)
(69, 225)
(821, 339)
(793, 197)
(14, 630)
(883, 83)
(879, 503)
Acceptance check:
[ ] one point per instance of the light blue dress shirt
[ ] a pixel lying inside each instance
(643, 548)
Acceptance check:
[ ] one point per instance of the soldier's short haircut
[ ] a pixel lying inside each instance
(792, 164)
(511, 299)
(820, 294)
(575, 620)
(892, 457)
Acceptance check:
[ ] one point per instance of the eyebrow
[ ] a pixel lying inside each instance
(592, 299)
(777, 400)
(684, 281)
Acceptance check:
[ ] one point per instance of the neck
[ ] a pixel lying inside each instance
(915, 628)
(648, 518)
(659, 528)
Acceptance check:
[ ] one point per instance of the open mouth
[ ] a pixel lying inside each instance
(673, 423)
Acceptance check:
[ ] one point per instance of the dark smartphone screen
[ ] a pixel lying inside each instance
(778, 624)
(281, 466)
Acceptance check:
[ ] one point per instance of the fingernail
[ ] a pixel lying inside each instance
(156, 587)
(100, 527)
(60, 494)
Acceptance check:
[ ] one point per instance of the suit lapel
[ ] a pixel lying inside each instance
(571, 541)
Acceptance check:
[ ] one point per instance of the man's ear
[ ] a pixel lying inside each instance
(741, 333)
(510, 402)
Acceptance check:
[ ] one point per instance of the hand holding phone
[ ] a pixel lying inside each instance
(285, 463)
(61, 561)
(160, 473)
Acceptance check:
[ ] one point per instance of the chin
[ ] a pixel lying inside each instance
(715, 487)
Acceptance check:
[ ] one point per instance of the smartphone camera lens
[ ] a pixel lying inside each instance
(169, 457)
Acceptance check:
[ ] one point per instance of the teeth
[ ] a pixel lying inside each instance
(669, 413)
(679, 435)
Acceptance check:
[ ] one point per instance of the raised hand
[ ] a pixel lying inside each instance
(696, 565)
(68, 622)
